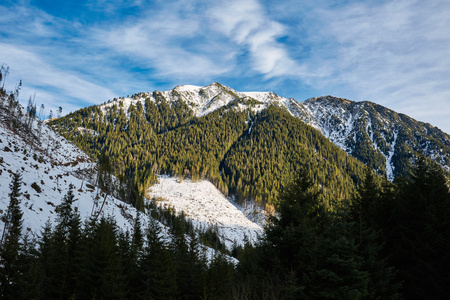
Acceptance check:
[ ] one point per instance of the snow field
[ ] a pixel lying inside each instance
(206, 206)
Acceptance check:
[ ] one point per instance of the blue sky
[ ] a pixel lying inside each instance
(79, 53)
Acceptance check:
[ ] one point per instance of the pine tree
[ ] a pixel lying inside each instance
(132, 259)
(298, 215)
(365, 212)
(420, 238)
(44, 257)
(110, 275)
(74, 253)
(315, 246)
(11, 243)
(219, 278)
(30, 279)
(60, 272)
(158, 267)
(65, 213)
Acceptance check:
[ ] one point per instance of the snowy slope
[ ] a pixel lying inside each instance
(48, 168)
(204, 100)
(50, 165)
(206, 206)
(390, 135)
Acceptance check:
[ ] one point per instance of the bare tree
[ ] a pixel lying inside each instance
(28, 113)
(40, 120)
(17, 90)
(4, 73)
(1, 74)
(4, 70)
(50, 116)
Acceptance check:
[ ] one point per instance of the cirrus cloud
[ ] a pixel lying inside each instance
(391, 52)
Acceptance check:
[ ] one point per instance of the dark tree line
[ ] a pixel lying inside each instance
(389, 241)
(97, 260)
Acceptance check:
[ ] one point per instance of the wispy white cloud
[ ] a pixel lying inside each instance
(53, 87)
(113, 6)
(246, 23)
(391, 52)
(53, 59)
(394, 53)
(172, 42)
(199, 39)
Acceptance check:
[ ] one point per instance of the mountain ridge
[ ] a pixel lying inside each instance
(374, 129)
(355, 125)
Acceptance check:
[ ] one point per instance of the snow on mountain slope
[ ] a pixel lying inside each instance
(394, 137)
(188, 88)
(204, 100)
(206, 206)
(48, 167)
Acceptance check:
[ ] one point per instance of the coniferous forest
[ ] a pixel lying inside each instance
(388, 241)
(248, 155)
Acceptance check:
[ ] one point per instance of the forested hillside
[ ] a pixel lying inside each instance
(246, 152)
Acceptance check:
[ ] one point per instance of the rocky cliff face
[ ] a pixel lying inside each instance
(376, 135)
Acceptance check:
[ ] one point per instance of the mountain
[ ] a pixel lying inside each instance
(246, 144)
(64, 227)
(249, 145)
(49, 164)
(382, 138)
(385, 140)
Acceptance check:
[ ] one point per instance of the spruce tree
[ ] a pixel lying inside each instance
(420, 239)
(314, 246)
(364, 214)
(59, 262)
(44, 258)
(74, 253)
(11, 243)
(133, 257)
(111, 274)
(30, 279)
(219, 278)
(158, 267)
(64, 213)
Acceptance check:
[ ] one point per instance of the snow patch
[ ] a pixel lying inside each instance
(188, 88)
(389, 165)
(206, 206)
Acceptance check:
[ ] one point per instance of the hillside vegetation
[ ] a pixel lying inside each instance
(246, 153)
